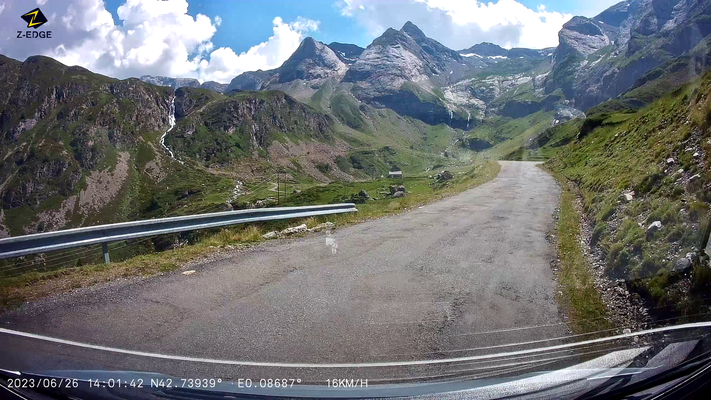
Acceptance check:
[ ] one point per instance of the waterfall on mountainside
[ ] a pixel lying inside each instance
(171, 122)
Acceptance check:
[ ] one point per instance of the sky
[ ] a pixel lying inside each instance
(218, 40)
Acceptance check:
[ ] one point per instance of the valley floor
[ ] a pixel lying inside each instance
(421, 285)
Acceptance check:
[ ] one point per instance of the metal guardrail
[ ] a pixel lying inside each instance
(49, 241)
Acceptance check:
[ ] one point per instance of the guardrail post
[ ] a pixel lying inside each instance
(105, 247)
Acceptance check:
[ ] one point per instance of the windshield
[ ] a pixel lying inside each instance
(354, 194)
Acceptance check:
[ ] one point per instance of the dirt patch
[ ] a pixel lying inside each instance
(154, 168)
(309, 154)
(103, 186)
(52, 220)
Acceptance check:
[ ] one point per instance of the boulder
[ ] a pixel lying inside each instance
(393, 189)
(670, 161)
(363, 194)
(270, 235)
(654, 226)
(320, 227)
(401, 188)
(628, 195)
(296, 229)
(682, 265)
(444, 176)
(399, 195)
(265, 202)
(693, 257)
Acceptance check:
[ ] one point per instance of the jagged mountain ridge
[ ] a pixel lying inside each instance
(176, 83)
(491, 50)
(597, 59)
(312, 61)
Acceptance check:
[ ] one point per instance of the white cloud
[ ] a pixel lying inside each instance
(225, 64)
(2, 7)
(152, 37)
(459, 24)
(41, 2)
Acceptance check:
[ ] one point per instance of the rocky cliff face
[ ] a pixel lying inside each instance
(407, 55)
(312, 61)
(216, 86)
(348, 53)
(599, 58)
(225, 130)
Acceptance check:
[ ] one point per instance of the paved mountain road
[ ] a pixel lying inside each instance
(423, 284)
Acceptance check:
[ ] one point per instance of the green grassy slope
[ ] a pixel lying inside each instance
(662, 153)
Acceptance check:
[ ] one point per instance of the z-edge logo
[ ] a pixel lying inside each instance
(34, 18)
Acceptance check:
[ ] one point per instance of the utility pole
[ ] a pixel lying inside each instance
(278, 189)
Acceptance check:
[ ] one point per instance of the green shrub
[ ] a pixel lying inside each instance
(658, 285)
(618, 259)
(698, 211)
(650, 266)
(599, 231)
(629, 232)
(675, 234)
(649, 182)
(607, 211)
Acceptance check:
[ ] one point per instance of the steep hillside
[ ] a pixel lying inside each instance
(80, 148)
(646, 186)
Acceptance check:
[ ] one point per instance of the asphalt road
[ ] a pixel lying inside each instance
(440, 281)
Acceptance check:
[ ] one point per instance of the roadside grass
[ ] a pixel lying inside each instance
(38, 284)
(580, 299)
(632, 169)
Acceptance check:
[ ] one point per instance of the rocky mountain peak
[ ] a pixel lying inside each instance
(486, 49)
(582, 36)
(615, 15)
(175, 83)
(391, 37)
(312, 60)
(413, 31)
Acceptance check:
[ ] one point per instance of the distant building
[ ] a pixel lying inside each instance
(395, 174)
